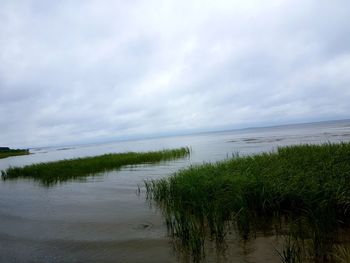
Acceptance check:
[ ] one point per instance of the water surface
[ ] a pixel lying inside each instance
(102, 218)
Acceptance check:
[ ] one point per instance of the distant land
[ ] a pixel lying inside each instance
(7, 152)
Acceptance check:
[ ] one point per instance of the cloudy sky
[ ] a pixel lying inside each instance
(93, 70)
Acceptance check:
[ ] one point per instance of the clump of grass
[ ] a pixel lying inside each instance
(341, 253)
(60, 171)
(305, 186)
(291, 251)
(7, 152)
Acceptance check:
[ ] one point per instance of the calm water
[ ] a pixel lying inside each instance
(102, 219)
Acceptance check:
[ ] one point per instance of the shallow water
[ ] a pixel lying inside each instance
(103, 219)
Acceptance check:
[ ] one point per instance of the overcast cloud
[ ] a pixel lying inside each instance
(80, 71)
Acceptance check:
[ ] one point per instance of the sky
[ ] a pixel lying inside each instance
(96, 70)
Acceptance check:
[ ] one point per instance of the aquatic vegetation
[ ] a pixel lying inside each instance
(300, 191)
(53, 172)
(341, 254)
(291, 251)
(7, 152)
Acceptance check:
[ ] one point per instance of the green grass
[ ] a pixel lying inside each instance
(341, 253)
(301, 191)
(60, 171)
(12, 152)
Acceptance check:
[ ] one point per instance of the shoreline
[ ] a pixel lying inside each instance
(8, 152)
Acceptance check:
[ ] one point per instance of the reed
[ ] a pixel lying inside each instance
(60, 171)
(306, 187)
(341, 253)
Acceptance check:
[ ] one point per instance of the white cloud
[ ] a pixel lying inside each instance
(92, 70)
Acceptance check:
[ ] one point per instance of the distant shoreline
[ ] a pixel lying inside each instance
(8, 152)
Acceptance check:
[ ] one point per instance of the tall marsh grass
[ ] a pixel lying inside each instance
(53, 172)
(302, 191)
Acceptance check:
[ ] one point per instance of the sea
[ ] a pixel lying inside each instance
(106, 217)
